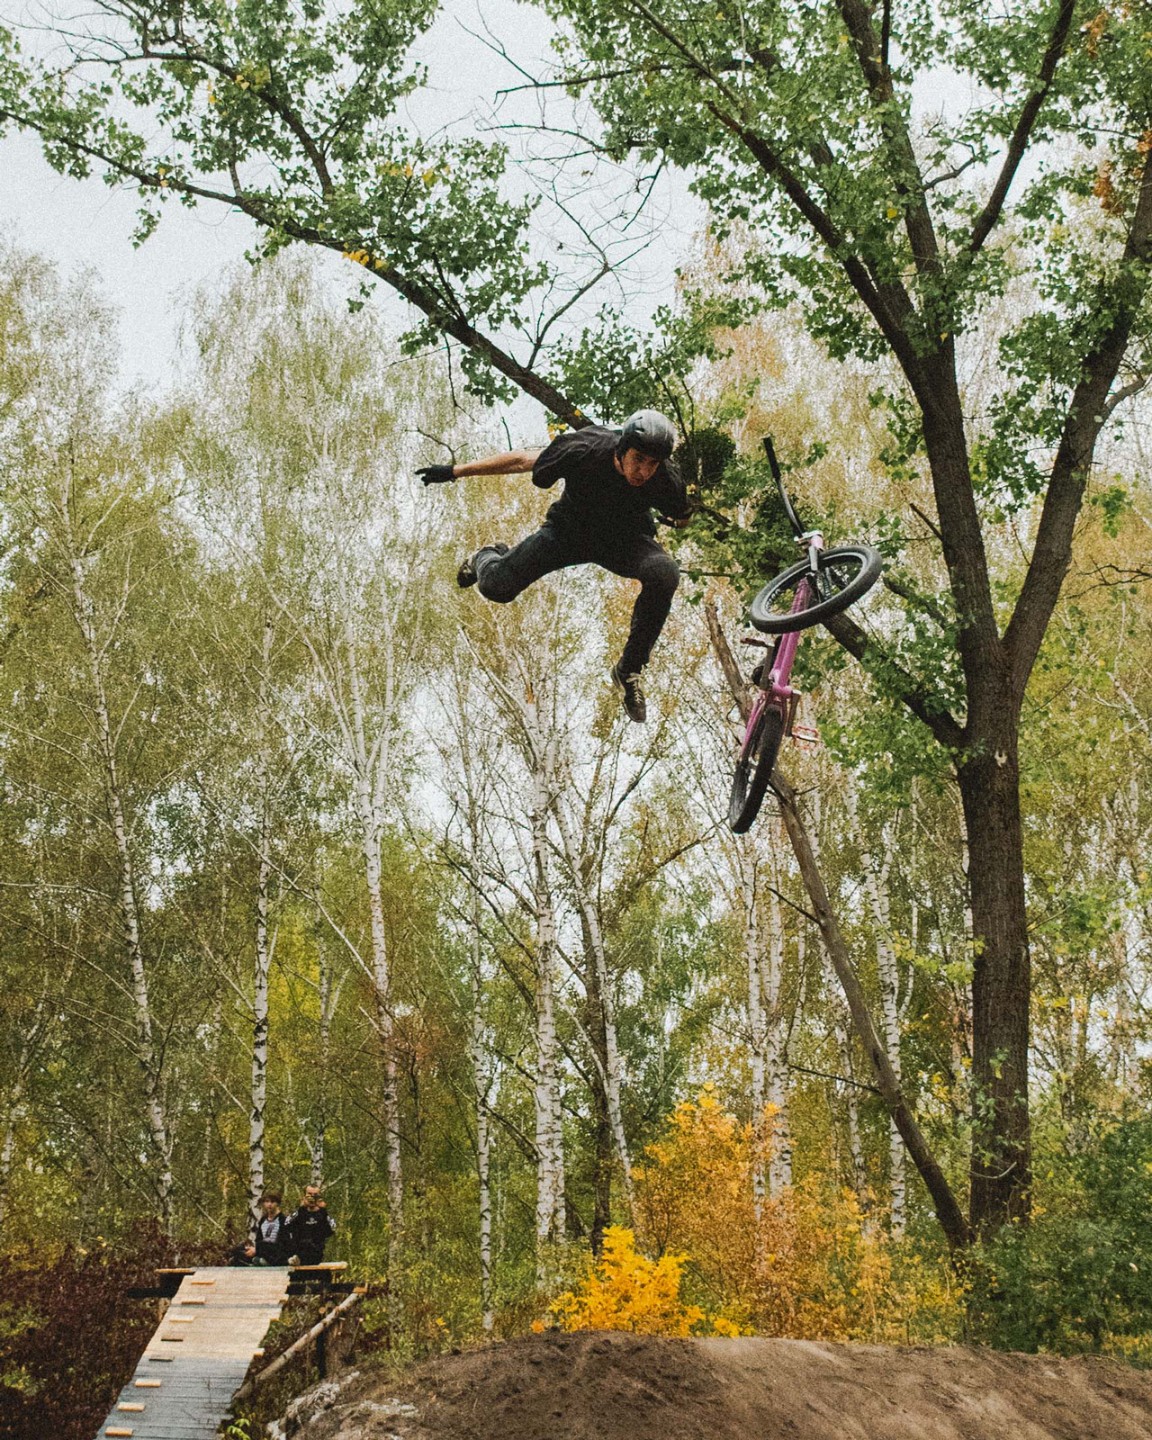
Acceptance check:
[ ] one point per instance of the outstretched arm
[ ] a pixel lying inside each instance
(512, 462)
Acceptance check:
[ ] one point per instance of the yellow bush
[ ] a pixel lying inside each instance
(815, 1266)
(627, 1291)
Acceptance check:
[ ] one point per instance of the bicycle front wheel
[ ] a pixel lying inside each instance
(754, 770)
(842, 576)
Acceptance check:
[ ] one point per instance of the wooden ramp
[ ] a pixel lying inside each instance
(199, 1355)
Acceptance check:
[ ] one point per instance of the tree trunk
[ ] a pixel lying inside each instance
(947, 1210)
(747, 873)
(157, 1118)
(599, 985)
(876, 883)
(479, 1054)
(546, 1090)
(776, 1055)
(317, 1142)
(369, 766)
(483, 1171)
(1001, 982)
(262, 954)
(260, 1023)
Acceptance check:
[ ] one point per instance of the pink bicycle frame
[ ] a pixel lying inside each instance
(777, 691)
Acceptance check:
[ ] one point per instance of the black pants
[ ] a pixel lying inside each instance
(636, 557)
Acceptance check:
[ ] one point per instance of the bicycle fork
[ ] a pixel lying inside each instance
(776, 688)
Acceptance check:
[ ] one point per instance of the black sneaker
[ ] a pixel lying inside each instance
(629, 686)
(466, 575)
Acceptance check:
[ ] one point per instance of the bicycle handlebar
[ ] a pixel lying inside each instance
(774, 466)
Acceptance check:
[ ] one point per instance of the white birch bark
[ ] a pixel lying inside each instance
(370, 765)
(213, 1081)
(747, 875)
(546, 1090)
(612, 1071)
(482, 1079)
(876, 871)
(318, 1139)
(876, 880)
(779, 1137)
(527, 732)
(155, 1107)
(263, 958)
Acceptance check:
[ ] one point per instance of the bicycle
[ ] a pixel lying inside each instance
(822, 585)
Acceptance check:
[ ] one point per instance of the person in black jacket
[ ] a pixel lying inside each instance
(268, 1244)
(308, 1229)
(613, 481)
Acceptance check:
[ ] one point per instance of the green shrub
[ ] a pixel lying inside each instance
(1078, 1278)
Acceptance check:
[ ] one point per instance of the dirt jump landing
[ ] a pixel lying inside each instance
(638, 1387)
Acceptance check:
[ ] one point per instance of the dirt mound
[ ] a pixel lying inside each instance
(641, 1387)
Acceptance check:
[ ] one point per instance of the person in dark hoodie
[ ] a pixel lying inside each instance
(308, 1229)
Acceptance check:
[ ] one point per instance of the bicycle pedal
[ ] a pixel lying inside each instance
(806, 736)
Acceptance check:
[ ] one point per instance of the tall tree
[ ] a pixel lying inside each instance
(892, 225)
(289, 479)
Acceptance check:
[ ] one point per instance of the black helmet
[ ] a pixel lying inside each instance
(649, 432)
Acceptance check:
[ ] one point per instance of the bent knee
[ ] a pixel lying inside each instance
(661, 573)
(500, 592)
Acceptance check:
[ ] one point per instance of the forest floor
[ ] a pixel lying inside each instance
(599, 1386)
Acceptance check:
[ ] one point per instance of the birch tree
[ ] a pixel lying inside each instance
(86, 493)
(518, 674)
(892, 227)
(341, 560)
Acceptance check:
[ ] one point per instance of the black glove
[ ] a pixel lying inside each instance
(436, 474)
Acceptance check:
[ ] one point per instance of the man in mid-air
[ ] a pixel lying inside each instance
(613, 480)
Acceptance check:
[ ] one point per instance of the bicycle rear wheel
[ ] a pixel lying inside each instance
(754, 770)
(842, 576)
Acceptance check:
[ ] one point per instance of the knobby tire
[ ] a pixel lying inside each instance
(860, 563)
(754, 770)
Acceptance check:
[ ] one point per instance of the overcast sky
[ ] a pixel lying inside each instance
(87, 224)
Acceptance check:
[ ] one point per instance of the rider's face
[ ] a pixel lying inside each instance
(636, 467)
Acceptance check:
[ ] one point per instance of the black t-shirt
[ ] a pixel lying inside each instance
(598, 502)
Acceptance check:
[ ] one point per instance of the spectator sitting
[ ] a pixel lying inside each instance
(308, 1229)
(269, 1242)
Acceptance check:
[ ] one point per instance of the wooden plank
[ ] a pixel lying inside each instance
(232, 1309)
(129, 1405)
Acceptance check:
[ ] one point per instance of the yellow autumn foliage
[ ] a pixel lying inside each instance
(814, 1265)
(627, 1291)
